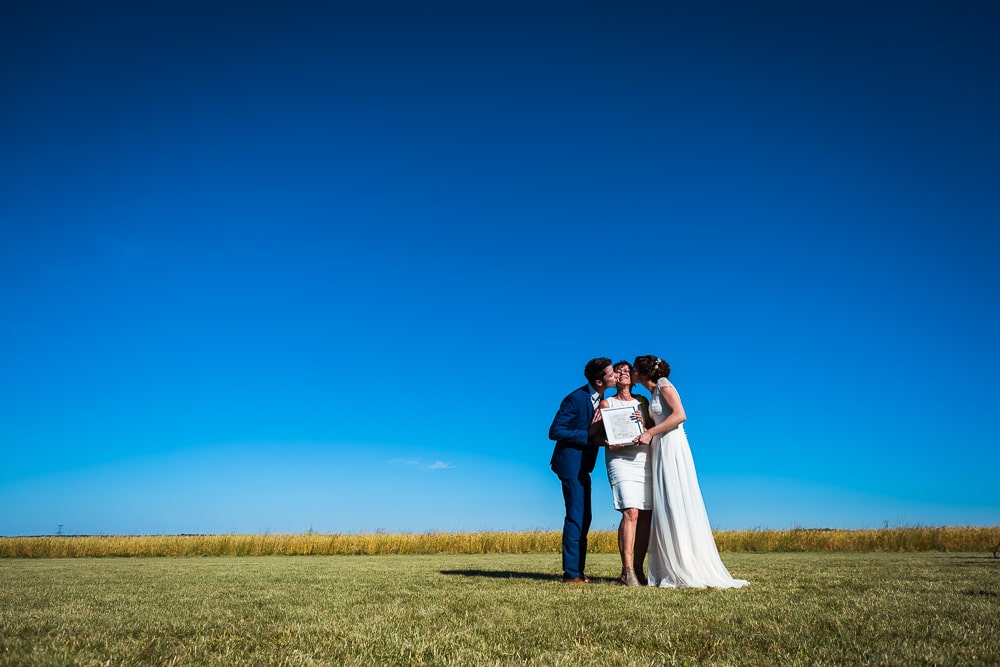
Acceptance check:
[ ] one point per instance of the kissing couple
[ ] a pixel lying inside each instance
(653, 480)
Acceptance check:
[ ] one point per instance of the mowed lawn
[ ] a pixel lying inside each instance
(801, 608)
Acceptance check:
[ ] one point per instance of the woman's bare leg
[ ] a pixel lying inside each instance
(626, 539)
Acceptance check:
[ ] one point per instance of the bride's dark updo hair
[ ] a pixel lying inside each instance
(652, 367)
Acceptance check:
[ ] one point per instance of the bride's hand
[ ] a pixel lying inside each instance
(643, 438)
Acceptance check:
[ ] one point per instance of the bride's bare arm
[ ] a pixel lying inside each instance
(676, 418)
(677, 414)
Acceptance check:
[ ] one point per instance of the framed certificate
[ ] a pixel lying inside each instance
(621, 425)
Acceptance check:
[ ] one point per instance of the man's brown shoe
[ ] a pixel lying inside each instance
(574, 580)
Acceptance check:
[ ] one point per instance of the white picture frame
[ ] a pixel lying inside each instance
(621, 425)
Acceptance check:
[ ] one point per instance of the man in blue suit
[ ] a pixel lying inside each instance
(573, 460)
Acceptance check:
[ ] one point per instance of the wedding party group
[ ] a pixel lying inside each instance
(651, 472)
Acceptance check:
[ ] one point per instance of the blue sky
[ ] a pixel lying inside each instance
(332, 266)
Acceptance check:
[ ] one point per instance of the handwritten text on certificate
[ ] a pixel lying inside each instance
(621, 425)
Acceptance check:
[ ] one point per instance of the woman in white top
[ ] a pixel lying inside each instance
(682, 551)
(629, 474)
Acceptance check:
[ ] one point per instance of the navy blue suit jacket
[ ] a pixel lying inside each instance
(573, 454)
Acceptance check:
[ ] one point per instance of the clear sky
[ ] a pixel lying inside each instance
(272, 267)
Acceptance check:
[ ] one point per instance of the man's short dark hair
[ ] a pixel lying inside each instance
(594, 370)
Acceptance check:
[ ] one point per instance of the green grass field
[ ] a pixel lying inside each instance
(801, 608)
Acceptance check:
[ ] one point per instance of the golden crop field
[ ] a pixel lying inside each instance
(943, 538)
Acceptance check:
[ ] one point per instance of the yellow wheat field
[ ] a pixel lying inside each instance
(944, 538)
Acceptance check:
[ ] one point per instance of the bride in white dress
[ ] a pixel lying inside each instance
(682, 551)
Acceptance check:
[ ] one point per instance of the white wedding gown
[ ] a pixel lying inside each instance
(682, 551)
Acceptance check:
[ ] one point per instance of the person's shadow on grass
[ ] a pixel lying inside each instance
(499, 574)
(507, 574)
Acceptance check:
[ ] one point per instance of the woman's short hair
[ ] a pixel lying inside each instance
(652, 367)
(622, 364)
